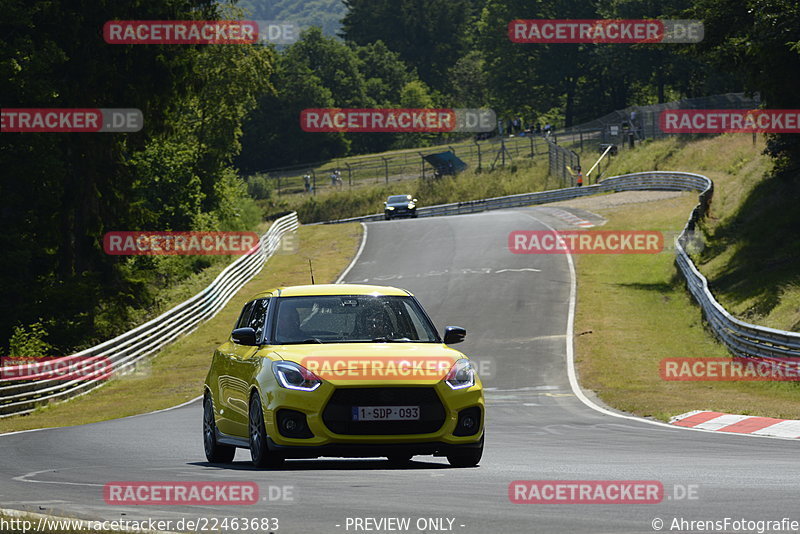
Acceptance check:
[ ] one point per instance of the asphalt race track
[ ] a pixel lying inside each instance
(515, 308)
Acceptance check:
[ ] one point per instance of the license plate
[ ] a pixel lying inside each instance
(385, 413)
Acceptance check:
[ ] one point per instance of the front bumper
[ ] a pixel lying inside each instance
(439, 426)
(405, 212)
(351, 450)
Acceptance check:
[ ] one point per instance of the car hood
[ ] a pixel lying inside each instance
(370, 363)
(403, 204)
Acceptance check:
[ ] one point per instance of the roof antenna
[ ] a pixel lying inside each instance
(310, 268)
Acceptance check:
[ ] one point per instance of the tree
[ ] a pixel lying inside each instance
(532, 78)
(385, 73)
(760, 41)
(469, 87)
(62, 191)
(429, 35)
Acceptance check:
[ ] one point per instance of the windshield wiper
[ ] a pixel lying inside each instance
(384, 339)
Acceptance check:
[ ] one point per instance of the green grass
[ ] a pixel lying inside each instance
(369, 169)
(635, 310)
(521, 178)
(636, 307)
(751, 237)
(176, 374)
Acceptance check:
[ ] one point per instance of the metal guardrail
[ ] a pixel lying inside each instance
(629, 182)
(123, 352)
(741, 338)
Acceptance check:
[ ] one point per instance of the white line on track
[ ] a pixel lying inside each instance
(356, 257)
(338, 281)
(572, 374)
(25, 478)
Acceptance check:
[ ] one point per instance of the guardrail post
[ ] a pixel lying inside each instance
(128, 349)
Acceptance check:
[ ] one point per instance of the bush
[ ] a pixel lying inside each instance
(29, 342)
(259, 187)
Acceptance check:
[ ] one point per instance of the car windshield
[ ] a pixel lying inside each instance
(399, 198)
(351, 319)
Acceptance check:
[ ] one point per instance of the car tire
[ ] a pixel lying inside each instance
(387, 217)
(215, 453)
(466, 457)
(257, 435)
(399, 459)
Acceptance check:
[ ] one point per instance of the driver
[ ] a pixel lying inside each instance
(288, 326)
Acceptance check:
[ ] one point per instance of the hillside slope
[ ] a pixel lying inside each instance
(752, 243)
(326, 14)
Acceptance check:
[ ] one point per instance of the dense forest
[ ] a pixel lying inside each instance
(324, 14)
(214, 113)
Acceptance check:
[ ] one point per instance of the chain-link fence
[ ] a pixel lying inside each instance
(561, 160)
(479, 155)
(625, 127)
(622, 129)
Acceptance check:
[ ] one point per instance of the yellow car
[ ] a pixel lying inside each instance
(344, 371)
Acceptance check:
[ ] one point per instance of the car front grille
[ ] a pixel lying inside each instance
(338, 417)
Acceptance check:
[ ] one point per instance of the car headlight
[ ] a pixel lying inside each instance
(389, 207)
(461, 375)
(294, 376)
(411, 206)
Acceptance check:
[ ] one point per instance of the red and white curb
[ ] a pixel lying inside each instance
(738, 424)
(568, 217)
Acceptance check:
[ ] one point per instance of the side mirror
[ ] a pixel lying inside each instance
(244, 336)
(454, 334)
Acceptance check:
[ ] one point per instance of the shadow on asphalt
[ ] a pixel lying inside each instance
(329, 465)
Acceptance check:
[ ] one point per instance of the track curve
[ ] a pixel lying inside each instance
(515, 309)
